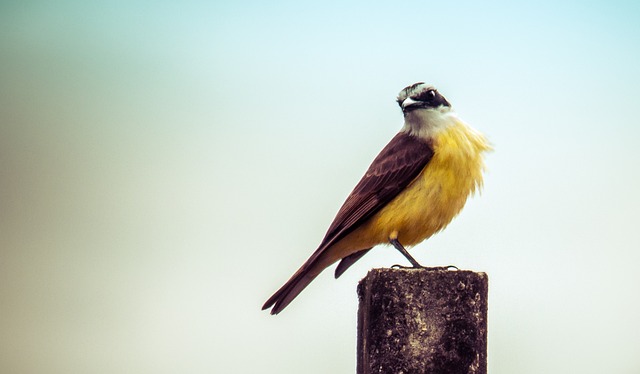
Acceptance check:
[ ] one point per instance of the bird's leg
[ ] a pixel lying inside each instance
(394, 241)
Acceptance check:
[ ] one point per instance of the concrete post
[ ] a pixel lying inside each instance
(422, 321)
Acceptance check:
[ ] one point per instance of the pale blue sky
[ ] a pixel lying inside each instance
(164, 167)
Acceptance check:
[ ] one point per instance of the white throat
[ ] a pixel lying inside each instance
(425, 123)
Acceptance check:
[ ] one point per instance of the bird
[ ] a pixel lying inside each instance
(413, 189)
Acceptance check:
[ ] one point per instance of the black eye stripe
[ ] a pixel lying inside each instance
(426, 95)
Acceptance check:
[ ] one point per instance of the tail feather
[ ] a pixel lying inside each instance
(348, 261)
(298, 282)
(307, 273)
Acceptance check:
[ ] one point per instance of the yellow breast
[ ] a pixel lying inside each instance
(438, 194)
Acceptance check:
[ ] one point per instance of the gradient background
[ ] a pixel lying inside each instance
(166, 166)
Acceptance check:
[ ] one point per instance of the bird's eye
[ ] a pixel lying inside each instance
(427, 95)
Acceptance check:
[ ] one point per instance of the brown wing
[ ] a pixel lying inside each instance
(391, 171)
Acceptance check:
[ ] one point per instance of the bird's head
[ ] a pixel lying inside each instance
(420, 96)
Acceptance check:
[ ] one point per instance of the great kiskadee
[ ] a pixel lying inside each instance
(413, 189)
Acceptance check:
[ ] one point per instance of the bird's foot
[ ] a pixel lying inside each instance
(433, 268)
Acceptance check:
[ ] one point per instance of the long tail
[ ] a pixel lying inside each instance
(298, 282)
(320, 260)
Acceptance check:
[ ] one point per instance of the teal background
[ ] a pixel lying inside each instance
(165, 166)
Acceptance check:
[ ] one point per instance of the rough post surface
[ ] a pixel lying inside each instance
(422, 321)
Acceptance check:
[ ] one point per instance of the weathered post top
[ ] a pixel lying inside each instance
(422, 321)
